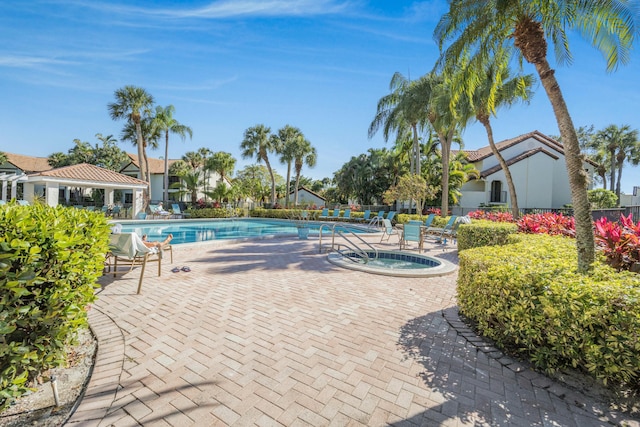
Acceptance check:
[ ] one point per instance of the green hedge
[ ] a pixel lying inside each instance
(214, 213)
(528, 297)
(50, 259)
(484, 233)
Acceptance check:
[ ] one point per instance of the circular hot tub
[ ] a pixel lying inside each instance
(392, 263)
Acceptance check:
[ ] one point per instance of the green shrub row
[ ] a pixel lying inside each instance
(50, 259)
(528, 298)
(214, 213)
(438, 221)
(484, 233)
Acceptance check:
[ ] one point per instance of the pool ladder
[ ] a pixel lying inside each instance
(352, 251)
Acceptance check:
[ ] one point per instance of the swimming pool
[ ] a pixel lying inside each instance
(195, 230)
(393, 263)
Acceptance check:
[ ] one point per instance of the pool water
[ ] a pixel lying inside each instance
(393, 263)
(192, 231)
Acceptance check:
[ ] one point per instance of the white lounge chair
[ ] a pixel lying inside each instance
(128, 250)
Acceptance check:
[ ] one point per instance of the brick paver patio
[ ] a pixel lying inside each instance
(268, 333)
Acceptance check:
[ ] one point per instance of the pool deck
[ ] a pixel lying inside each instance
(269, 333)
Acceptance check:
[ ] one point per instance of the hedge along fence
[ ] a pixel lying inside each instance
(214, 213)
(528, 298)
(50, 259)
(485, 233)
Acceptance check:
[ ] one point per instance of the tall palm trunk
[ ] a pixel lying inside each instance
(612, 167)
(166, 167)
(273, 181)
(484, 119)
(416, 149)
(286, 200)
(445, 144)
(620, 160)
(529, 38)
(141, 164)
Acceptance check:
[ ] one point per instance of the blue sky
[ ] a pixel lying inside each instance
(226, 65)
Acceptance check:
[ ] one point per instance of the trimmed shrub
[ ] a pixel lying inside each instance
(537, 306)
(50, 259)
(484, 233)
(213, 213)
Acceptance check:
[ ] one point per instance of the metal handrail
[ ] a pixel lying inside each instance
(354, 247)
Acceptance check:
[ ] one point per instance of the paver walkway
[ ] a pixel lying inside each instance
(268, 333)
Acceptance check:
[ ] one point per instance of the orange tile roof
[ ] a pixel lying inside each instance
(87, 172)
(155, 165)
(28, 164)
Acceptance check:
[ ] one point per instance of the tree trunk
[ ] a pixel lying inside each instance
(515, 211)
(286, 200)
(166, 168)
(445, 145)
(142, 165)
(612, 180)
(620, 165)
(273, 181)
(416, 149)
(296, 189)
(585, 241)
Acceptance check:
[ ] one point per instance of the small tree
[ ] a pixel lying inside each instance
(410, 187)
(602, 199)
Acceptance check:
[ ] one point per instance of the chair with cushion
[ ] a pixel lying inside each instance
(177, 212)
(128, 250)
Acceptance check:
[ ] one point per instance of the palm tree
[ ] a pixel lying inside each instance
(404, 108)
(165, 122)
(288, 139)
(496, 84)
(479, 29)
(628, 150)
(190, 183)
(257, 142)
(133, 103)
(305, 153)
(222, 163)
(150, 137)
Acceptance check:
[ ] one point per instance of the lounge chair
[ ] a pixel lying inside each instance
(324, 214)
(365, 216)
(177, 212)
(388, 230)
(128, 249)
(429, 220)
(377, 220)
(158, 211)
(390, 215)
(115, 211)
(439, 232)
(346, 215)
(141, 215)
(336, 214)
(412, 232)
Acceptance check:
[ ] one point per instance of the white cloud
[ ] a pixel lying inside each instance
(29, 61)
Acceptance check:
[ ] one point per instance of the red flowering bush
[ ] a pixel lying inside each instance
(619, 242)
(548, 223)
(494, 216)
(432, 211)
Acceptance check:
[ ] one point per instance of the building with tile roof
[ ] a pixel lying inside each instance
(538, 169)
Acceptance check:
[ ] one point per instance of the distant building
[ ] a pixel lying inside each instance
(306, 197)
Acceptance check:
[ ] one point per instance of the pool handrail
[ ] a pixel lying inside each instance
(333, 240)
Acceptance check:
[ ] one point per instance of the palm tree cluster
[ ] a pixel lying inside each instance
(145, 126)
(479, 42)
(611, 149)
(289, 143)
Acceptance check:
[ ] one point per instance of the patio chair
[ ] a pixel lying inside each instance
(365, 216)
(346, 215)
(336, 214)
(177, 212)
(158, 211)
(411, 232)
(324, 214)
(128, 250)
(115, 211)
(377, 220)
(388, 230)
(429, 220)
(439, 232)
(390, 215)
